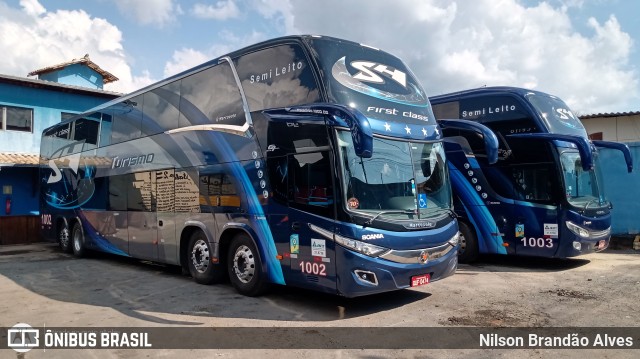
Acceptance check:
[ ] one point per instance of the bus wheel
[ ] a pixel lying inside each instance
(245, 267)
(64, 238)
(468, 251)
(199, 262)
(77, 240)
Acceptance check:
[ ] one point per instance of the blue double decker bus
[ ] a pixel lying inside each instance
(529, 185)
(305, 160)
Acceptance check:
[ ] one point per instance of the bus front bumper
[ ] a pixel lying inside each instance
(584, 240)
(360, 275)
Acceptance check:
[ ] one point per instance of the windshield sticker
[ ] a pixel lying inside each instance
(373, 73)
(519, 230)
(422, 200)
(353, 203)
(551, 230)
(567, 118)
(318, 247)
(294, 244)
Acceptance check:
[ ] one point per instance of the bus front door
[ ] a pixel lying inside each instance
(311, 212)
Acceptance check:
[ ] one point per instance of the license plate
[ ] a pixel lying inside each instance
(602, 244)
(417, 280)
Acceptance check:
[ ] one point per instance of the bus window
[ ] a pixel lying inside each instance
(105, 130)
(275, 77)
(126, 120)
(118, 193)
(139, 192)
(86, 131)
(218, 190)
(160, 110)
(211, 97)
(53, 139)
(310, 186)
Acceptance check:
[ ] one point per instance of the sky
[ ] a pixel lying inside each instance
(584, 51)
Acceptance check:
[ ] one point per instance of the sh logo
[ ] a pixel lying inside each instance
(380, 81)
(70, 183)
(367, 73)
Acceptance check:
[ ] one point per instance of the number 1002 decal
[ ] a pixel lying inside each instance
(313, 268)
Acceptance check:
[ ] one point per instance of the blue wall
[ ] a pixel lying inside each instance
(76, 74)
(47, 107)
(623, 189)
(24, 199)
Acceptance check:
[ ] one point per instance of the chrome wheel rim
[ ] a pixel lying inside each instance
(200, 256)
(244, 264)
(77, 240)
(463, 243)
(64, 237)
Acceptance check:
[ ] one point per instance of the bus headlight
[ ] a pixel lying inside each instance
(582, 232)
(362, 247)
(454, 240)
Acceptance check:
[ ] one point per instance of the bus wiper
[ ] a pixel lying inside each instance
(588, 203)
(398, 211)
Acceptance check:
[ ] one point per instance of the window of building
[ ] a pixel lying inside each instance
(16, 119)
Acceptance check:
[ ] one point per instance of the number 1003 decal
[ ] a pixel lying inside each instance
(537, 242)
(313, 268)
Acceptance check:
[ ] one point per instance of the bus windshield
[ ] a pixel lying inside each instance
(557, 115)
(376, 83)
(402, 180)
(583, 188)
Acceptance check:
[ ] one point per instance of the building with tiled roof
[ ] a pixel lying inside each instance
(82, 72)
(613, 126)
(27, 107)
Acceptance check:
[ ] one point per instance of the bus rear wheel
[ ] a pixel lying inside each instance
(245, 267)
(468, 251)
(201, 268)
(64, 238)
(77, 240)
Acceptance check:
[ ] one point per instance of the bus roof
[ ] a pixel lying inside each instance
(215, 61)
(493, 90)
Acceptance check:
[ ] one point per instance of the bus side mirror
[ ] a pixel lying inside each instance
(426, 168)
(338, 115)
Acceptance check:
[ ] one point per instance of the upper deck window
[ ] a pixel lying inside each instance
(557, 115)
(211, 96)
(279, 76)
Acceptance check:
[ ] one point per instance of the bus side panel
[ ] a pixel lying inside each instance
(470, 197)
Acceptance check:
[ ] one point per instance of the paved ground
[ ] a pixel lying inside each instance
(40, 285)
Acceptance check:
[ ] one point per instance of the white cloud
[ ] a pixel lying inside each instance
(32, 7)
(187, 58)
(464, 44)
(222, 10)
(150, 12)
(184, 59)
(36, 38)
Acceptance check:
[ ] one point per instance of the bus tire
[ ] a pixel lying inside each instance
(64, 238)
(245, 267)
(202, 270)
(77, 240)
(468, 251)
